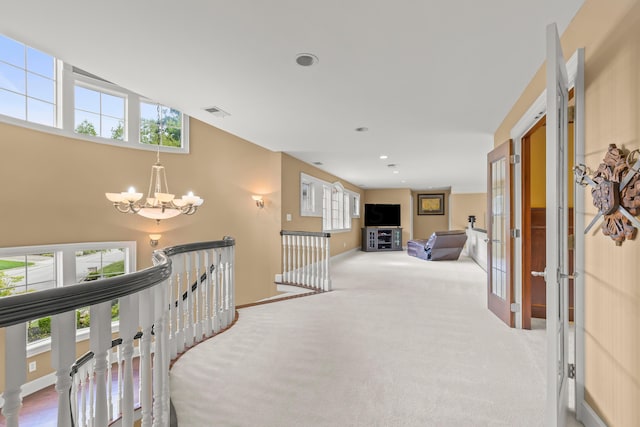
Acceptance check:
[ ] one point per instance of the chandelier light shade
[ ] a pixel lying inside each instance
(159, 203)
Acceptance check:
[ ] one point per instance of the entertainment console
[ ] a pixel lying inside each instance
(376, 239)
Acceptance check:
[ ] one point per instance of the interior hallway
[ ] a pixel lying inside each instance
(399, 342)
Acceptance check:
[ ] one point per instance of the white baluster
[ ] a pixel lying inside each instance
(15, 371)
(217, 292)
(129, 315)
(283, 240)
(178, 269)
(158, 362)
(100, 342)
(208, 325)
(232, 280)
(299, 259)
(189, 337)
(63, 354)
(173, 316)
(303, 267)
(230, 311)
(165, 358)
(109, 385)
(82, 415)
(318, 262)
(198, 296)
(74, 399)
(327, 282)
(146, 321)
(314, 262)
(223, 289)
(291, 255)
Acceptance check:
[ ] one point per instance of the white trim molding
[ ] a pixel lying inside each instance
(589, 417)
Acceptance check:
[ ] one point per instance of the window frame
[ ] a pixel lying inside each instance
(57, 76)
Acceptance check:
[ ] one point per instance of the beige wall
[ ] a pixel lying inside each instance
(610, 33)
(59, 185)
(291, 169)
(400, 196)
(465, 204)
(425, 225)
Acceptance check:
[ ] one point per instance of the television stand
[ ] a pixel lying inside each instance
(376, 239)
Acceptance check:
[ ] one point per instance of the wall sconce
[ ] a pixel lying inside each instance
(154, 239)
(259, 201)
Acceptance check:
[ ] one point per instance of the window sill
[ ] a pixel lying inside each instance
(44, 346)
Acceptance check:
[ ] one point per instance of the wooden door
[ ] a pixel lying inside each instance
(499, 283)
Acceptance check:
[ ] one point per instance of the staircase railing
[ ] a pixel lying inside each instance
(305, 259)
(150, 300)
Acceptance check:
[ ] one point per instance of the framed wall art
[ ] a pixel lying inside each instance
(431, 204)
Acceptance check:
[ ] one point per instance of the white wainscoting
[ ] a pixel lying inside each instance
(477, 246)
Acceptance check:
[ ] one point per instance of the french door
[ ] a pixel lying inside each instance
(556, 273)
(499, 285)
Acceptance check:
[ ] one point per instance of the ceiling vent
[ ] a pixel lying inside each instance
(218, 112)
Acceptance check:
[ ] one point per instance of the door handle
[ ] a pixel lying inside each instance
(542, 274)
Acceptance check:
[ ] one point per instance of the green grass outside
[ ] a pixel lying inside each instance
(111, 270)
(5, 265)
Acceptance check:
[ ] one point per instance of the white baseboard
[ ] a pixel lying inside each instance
(588, 416)
(345, 254)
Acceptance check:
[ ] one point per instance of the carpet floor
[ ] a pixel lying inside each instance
(398, 342)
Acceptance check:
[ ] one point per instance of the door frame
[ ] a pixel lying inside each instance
(529, 119)
(501, 307)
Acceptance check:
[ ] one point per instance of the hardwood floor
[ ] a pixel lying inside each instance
(41, 408)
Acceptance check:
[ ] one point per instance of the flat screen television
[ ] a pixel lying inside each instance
(379, 215)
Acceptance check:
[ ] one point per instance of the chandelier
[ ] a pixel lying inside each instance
(159, 203)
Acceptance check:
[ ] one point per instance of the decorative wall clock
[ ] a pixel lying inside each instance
(615, 188)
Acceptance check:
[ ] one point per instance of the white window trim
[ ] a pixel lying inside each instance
(44, 345)
(321, 202)
(65, 80)
(315, 186)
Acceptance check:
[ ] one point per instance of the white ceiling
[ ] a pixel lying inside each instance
(431, 79)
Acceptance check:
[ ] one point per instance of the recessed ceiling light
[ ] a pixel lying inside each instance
(362, 129)
(306, 59)
(403, 181)
(396, 171)
(383, 157)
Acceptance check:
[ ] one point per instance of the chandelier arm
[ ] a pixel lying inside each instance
(121, 207)
(135, 207)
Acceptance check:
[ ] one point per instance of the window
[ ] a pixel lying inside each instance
(170, 121)
(335, 204)
(311, 198)
(30, 269)
(27, 83)
(41, 92)
(355, 205)
(98, 113)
